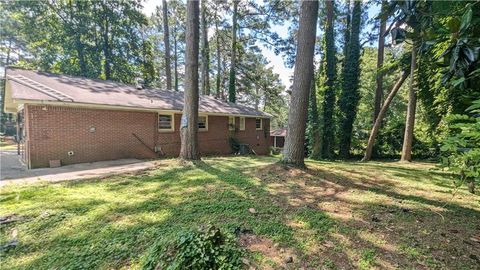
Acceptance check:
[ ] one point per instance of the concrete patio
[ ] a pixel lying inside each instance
(12, 171)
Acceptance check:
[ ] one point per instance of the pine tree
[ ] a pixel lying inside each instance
(166, 40)
(380, 56)
(205, 51)
(329, 101)
(302, 79)
(350, 78)
(189, 124)
(233, 61)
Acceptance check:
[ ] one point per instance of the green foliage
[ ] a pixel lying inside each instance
(234, 144)
(313, 124)
(367, 259)
(459, 34)
(118, 222)
(206, 248)
(349, 98)
(95, 39)
(461, 149)
(328, 129)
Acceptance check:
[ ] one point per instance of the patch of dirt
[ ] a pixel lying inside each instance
(283, 258)
(403, 225)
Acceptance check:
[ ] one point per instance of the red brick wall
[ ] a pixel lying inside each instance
(54, 131)
(215, 141)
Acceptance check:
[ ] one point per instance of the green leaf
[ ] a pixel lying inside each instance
(458, 81)
(453, 25)
(466, 19)
(476, 105)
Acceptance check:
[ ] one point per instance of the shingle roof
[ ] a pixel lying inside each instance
(41, 86)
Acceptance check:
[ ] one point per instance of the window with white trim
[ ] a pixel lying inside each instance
(258, 124)
(165, 122)
(231, 123)
(202, 122)
(242, 123)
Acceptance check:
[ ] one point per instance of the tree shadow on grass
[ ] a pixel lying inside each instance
(294, 210)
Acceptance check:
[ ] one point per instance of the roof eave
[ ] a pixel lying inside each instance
(118, 107)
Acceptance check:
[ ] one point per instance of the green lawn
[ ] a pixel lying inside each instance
(8, 145)
(345, 215)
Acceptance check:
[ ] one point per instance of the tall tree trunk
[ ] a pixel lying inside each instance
(411, 107)
(350, 97)
(81, 56)
(79, 47)
(329, 101)
(166, 41)
(189, 124)
(314, 123)
(381, 114)
(380, 56)
(219, 59)
(346, 35)
(175, 57)
(205, 51)
(302, 79)
(231, 85)
(106, 44)
(266, 100)
(7, 63)
(257, 97)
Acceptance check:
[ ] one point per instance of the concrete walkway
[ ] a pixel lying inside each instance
(12, 171)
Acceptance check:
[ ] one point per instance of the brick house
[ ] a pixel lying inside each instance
(74, 120)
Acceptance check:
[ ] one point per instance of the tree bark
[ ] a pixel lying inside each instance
(189, 124)
(346, 35)
(315, 125)
(205, 51)
(257, 97)
(411, 107)
(302, 79)
(7, 63)
(106, 44)
(166, 41)
(79, 46)
(219, 60)
(381, 114)
(231, 85)
(329, 101)
(175, 58)
(380, 57)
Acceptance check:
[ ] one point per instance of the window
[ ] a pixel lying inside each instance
(231, 123)
(202, 122)
(165, 122)
(242, 123)
(258, 124)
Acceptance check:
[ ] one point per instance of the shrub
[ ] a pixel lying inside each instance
(206, 248)
(234, 144)
(461, 149)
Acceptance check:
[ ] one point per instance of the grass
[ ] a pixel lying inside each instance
(333, 215)
(8, 145)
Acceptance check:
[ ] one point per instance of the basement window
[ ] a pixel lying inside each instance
(242, 123)
(165, 122)
(202, 122)
(258, 124)
(231, 123)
